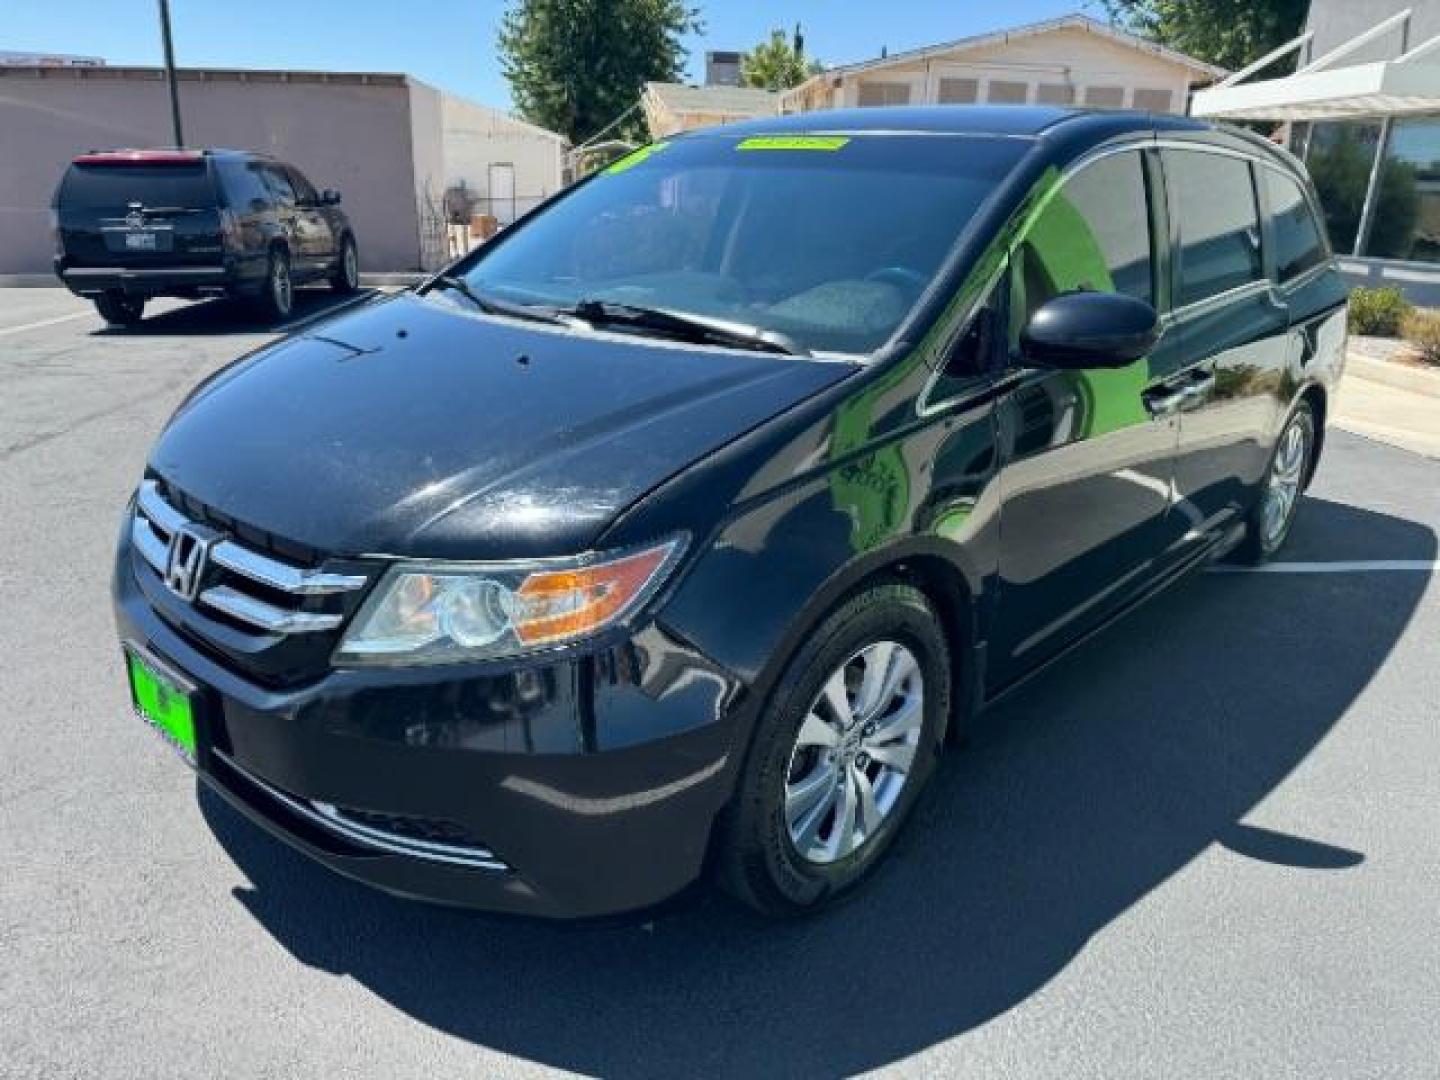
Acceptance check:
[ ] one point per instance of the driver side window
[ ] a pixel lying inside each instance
(1093, 235)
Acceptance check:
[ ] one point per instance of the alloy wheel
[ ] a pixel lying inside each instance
(1287, 474)
(280, 286)
(854, 752)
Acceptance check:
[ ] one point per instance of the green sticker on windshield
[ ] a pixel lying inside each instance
(635, 157)
(792, 142)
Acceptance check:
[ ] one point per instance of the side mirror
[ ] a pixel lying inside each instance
(330, 197)
(1080, 330)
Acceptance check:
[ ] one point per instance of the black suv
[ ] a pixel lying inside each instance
(132, 224)
(677, 528)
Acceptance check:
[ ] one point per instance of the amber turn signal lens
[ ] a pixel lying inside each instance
(560, 604)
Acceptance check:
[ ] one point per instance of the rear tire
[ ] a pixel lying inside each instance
(1268, 525)
(346, 278)
(277, 296)
(117, 309)
(813, 763)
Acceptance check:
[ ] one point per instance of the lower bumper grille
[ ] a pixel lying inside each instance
(398, 835)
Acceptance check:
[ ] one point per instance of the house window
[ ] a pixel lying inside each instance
(959, 91)
(1105, 97)
(1055, 94)
(1004, 92)
(884, 93)
(1152, 99)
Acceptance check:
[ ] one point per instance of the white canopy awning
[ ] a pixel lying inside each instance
(1319, 90)
(1383, 88)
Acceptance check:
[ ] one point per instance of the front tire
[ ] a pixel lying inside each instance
(117, 309)
(1270, 520)
(844, 747)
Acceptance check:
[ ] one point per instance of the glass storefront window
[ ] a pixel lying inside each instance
(1406, 226)
(1339, 156)
(1407, 217)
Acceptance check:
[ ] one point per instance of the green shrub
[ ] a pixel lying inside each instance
(1378, 312)
(1422, 329)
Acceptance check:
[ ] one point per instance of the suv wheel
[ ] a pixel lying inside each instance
(117, 309)
(1273, 514)
(346, 278)
(840, 755)
(277, 297)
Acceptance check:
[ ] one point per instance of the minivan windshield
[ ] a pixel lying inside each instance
(828, 240)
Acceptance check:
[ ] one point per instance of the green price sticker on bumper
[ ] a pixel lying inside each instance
(793, 142)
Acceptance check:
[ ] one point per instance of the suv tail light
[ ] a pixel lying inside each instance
(55, 233)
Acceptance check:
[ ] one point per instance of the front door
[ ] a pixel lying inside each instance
(1086, 462)
(314, 236)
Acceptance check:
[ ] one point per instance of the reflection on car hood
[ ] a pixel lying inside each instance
(408, 428)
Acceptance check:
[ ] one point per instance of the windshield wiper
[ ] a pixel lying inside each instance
(492, 306)
(687, 326)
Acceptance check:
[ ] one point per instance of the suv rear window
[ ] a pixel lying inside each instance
(106, 187)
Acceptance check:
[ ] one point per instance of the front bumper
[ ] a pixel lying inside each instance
(591, 783)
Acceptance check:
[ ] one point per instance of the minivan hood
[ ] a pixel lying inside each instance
(409, 428)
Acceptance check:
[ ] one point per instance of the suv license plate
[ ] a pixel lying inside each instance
(162, 703)
(141, 241)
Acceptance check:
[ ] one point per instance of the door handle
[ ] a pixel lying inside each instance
(1168, 399)
(1164, 404)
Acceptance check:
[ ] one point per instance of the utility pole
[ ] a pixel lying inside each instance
(170, 72)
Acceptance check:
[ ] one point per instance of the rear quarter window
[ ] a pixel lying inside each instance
(109, 187)
(1299, 244)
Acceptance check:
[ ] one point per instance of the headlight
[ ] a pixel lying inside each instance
(436, 613)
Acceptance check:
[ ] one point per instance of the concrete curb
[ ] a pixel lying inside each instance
(1400, 376)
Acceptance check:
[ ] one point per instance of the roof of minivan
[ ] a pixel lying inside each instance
(1026, 120)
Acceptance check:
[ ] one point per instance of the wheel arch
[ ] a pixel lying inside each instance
(944, 583)
(1316, 396)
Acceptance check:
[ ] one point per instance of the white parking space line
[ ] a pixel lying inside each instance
(1359, 566)
(8, 330)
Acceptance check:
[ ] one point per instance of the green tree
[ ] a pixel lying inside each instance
(777, 64)
(576, 65)
(1230, 33)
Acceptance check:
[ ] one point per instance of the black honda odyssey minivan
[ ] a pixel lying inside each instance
(675, 531)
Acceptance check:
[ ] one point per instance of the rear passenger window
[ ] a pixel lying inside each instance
(244, 188)
(1298, 243)
(1212, 198)
(279, 184)
(1093, 234)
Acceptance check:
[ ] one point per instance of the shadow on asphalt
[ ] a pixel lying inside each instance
(1077, 796)
(221, 316)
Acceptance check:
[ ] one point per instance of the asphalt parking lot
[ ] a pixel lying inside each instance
(1206, 844)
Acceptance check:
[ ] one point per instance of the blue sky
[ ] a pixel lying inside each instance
(451, 43)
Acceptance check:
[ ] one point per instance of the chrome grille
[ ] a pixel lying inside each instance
(252, 575)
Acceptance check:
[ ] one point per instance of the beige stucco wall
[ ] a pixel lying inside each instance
(344, 135)
(476, 137)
